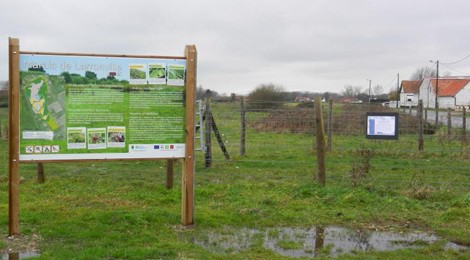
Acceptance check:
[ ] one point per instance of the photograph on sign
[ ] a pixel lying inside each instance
(97, 107)
(381, 125)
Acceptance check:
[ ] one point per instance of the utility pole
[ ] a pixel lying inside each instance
(398, 88)
(370, 82)
(437, 94)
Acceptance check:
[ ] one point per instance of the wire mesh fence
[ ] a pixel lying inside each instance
(281, 137)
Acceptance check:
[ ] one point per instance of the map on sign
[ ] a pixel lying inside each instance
(37, 91)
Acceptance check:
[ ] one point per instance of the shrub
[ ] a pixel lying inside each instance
(266, 96)
(360, 166)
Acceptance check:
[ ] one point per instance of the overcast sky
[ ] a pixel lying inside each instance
(305, 45)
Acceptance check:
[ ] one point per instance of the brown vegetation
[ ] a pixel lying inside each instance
(351, 120)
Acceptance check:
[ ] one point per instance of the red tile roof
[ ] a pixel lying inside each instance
(410, 86)
(449, 87)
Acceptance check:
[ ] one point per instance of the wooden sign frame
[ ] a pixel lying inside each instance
(187, 210)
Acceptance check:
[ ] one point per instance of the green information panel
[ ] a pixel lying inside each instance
(89, 107)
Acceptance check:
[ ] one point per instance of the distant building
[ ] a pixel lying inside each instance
(409, 95)
(452, 92)
(302, 99)
(349, 100)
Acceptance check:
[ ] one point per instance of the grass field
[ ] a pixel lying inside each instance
(121, 210)
(3, 122)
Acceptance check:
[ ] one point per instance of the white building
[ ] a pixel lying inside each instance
(409, 94)
(452, 92)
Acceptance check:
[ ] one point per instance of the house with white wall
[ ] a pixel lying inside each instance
(409, 94)
(426, 94)
(452, 92)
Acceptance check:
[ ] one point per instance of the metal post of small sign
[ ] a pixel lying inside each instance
(13, 138)
(449, 125)
(464, 124)
(420, 126)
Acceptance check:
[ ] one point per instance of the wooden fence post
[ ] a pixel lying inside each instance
(320, 142)
(449, 125)
(330, 124)
(243, 127)
(219, 138)
(208, 129)
(40, 171)
(420, 126)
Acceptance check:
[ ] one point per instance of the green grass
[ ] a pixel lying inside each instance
(136, 74)
(3, 122)
(121, 210)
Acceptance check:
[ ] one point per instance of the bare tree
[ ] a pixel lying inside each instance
(351, 91)
(3, 85)
(423, 72)
(377, 90)
(200, 92)
(348, 91)
(358, 91)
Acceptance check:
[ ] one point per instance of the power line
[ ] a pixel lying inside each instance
(451, 63)
(392, 82)
(464, 73)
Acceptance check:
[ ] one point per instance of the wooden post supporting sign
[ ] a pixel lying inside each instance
(40, 171)
(13, 138)
(187, 215)
(169, 173)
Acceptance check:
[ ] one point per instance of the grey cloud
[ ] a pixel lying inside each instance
(304, 45)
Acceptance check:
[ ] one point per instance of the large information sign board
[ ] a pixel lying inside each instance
(88, 107)
(78, 107)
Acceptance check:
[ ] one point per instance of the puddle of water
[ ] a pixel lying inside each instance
(21, 255)
(319, 241)
(229, 241)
